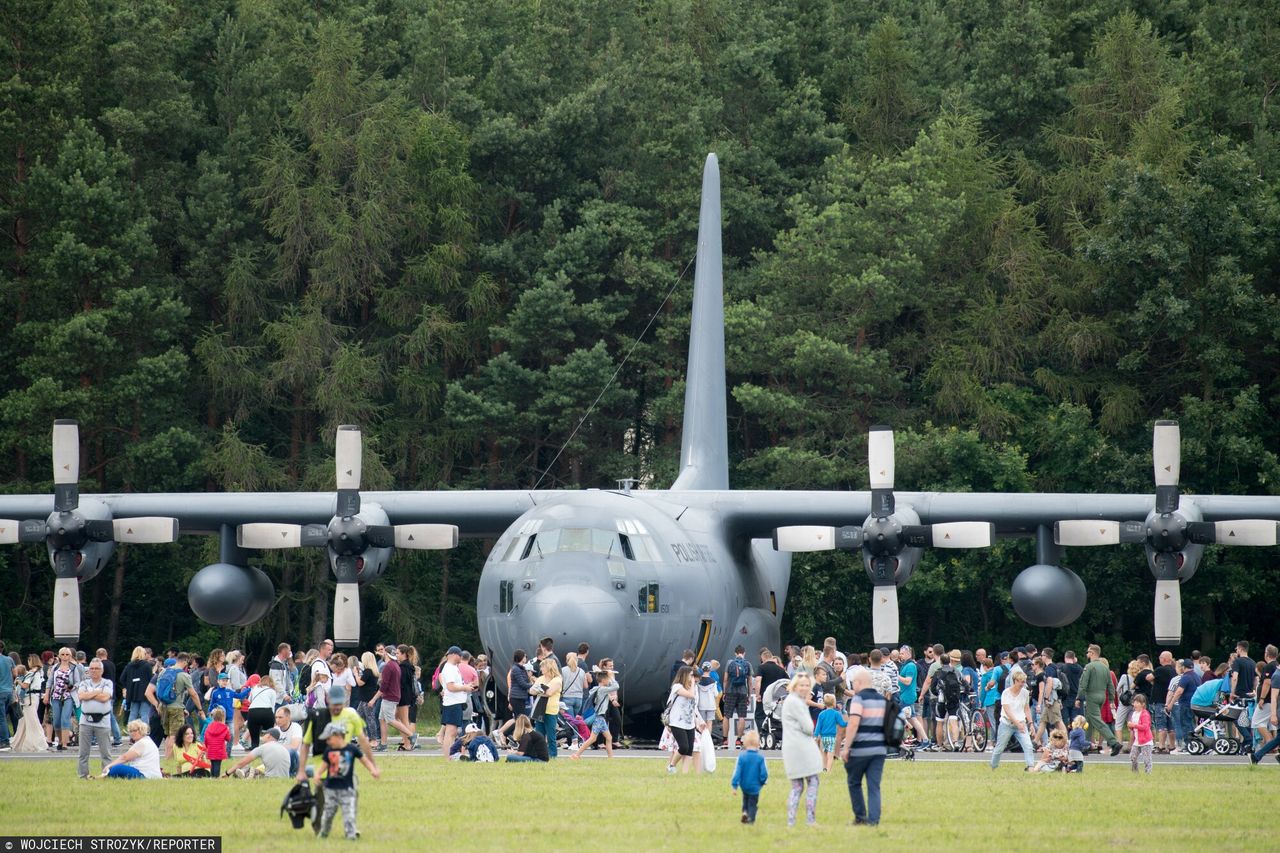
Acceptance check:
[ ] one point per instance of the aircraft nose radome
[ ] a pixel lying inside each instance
(572, 615)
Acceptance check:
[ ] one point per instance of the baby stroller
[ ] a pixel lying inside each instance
(1211, 731)
(771, 731)
(571, 730)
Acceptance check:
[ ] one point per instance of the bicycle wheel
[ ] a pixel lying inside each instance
(954, 741)
(980, 733)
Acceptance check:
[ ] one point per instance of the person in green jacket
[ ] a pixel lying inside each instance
(1095, 688)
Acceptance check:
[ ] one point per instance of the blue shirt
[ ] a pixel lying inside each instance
(1188, 681)
(908, 692)
(6, 676)
(1206, 694)
(868, 706)
(990, 695)
(749, 772)
(830, 721)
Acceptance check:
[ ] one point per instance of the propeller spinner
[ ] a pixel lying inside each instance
(891, 539)
(349, 536)
(73, 532)
(1173, 534)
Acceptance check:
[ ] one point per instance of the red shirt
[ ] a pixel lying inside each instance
(216, 738)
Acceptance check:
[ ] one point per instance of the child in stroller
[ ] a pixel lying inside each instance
(1211, 730)
(771, 731)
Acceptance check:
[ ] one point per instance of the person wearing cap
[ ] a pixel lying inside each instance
(222, 696)
(455, 693)
(338, 757)
(474, 745)
(336, 711)
(273, 754)
(1178, 703)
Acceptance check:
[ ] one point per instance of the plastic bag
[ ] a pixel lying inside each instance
(708, 750)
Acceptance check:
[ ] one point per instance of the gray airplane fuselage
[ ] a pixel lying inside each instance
(637, 577)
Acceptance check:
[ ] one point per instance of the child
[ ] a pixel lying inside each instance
(1077, 745)
(1056, 756)
(830, 721)
(339, 782)
(601, 695)
(222, 696)
(216, 738)
(1140, 725)
(750, 774)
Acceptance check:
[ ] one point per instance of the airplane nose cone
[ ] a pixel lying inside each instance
(574, 614)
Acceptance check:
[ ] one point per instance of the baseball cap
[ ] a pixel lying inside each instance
(454, 650)
(471, 727)
(224, 676)
(1003, 656)
(706, 666)
(275, 733)
(170, 661)
(1186, 663)
(337, 695)
(331, 730)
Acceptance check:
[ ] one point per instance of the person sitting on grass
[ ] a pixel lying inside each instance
(140, 761)
(273, 754)
(1056, 756)
(531, 744)
(605, 691)
(338, 757)
(474, 745)
(189, 755)
(750, 774)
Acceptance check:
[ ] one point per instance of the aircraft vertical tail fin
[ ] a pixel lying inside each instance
(704, 447)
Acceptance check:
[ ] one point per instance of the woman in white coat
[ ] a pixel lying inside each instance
(800, 756)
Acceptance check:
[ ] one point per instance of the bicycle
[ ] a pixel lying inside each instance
(969, 726)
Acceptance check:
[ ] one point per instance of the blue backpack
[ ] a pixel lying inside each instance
(739, 670)
(164, 686)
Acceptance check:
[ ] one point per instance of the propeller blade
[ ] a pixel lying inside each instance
(10, 531)
(266, 536)
(963, 534)
(426, 537)
(146, 530)
(801, 538)
(99, 530)
(347, 455)
(66, 609)
(880, 456)
(346, 615)
(33, 530)
(1168, 612)
(1086, 532)
(66, 465)
(1166, 455)
(380, 535)
(1244, 531)
(314, 536)
(884, 615)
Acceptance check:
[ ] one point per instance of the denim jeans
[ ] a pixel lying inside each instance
(140, 711)
(750, 802)
(872, 767)
(1007, 731)
(1265, 748)
(5, 699)
(547, 725)
(60, 713)
(573, 705)
(1183, 722)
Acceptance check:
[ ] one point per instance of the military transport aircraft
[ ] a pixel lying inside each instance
(640, 574)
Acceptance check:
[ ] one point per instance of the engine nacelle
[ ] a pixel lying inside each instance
(227, 594)
(1048, 596)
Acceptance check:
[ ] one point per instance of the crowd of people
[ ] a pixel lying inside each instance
(189, 715)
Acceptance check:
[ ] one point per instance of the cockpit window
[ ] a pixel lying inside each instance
(611, 543)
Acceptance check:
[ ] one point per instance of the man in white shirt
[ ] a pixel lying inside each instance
(94, 694)
(1013, 719)
(290, 735)
(455, 693)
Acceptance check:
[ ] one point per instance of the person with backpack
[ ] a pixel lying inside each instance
(948, 692)
(173, 688)
(736, 690)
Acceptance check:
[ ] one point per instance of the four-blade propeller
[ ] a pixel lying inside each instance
(890, 538)
(350, 534)
(1171, 532)
(79, 538)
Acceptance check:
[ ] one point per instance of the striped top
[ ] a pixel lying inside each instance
(867, 706)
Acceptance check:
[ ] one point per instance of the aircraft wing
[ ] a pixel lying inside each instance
(476, 513)
(756, 514)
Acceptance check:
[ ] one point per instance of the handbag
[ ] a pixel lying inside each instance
(666, 712)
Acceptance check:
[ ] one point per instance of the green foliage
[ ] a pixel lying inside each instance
(1017, 230)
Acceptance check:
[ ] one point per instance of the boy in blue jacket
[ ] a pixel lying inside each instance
(223, 696)
(750, 774)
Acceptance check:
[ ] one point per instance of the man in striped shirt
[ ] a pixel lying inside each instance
(864, 748)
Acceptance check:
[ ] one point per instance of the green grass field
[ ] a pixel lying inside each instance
(633, 805)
